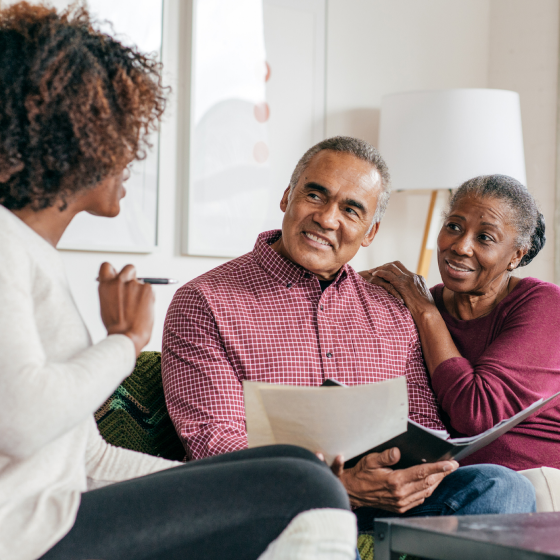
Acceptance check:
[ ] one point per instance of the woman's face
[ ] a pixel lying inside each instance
(104, 199)
(476, 245)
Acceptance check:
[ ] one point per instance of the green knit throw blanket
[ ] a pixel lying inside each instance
(135, 416)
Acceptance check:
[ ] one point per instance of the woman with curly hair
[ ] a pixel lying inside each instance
(75, 109)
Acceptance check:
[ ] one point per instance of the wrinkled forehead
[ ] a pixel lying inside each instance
(343, 167)
(498, 210)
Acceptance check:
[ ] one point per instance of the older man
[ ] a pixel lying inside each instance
(294, 312)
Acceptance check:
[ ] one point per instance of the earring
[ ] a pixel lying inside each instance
(510, 267)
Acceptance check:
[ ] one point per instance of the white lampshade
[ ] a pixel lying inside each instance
(439, 139)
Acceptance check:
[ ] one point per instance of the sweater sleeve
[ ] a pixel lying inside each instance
(521, 365)
(42, 399)
(106, 464)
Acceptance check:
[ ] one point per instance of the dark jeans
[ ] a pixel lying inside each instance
(228, 506)
(472, 490)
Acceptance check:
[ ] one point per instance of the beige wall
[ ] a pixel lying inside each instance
(524, 58)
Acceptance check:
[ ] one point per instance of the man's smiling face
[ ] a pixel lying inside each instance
(329, 212)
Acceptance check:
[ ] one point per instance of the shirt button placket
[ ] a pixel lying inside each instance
(325, 341)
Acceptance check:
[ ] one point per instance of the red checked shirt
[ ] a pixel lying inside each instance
(263, 318)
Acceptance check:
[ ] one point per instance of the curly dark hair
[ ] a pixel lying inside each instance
(76, 105)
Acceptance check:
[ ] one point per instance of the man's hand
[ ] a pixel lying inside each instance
(337, 467)
(127, 306)
(372, 484)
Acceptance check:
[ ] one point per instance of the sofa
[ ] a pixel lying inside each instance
(135, 417)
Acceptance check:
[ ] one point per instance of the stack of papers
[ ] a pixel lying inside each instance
(332, 420)
(354, 421)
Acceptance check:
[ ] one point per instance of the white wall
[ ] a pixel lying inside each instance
(377, 47)
(166, 261)
(374, 47)
(81, 266)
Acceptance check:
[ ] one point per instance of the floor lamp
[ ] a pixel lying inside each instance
(436, 140)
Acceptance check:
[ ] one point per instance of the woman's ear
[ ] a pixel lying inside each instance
(516, 259)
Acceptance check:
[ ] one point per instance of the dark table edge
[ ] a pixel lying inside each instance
(393, 540)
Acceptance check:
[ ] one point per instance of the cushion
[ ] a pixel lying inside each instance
(546, 481)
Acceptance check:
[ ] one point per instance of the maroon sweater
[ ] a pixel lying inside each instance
(511, 358)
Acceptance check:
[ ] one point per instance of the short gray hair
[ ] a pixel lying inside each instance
(527, 219)
(362, 150)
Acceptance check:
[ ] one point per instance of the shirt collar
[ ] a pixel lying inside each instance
(281, 269)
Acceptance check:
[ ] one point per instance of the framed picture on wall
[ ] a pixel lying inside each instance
(257, 101)
(134, 230)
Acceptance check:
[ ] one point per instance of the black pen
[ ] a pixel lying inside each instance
(158, 280)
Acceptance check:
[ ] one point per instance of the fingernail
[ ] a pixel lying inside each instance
(392, 454)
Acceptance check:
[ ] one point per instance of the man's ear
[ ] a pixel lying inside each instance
(371, 235)
(285, 198)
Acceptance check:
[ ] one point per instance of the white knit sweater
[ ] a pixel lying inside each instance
(52, 379)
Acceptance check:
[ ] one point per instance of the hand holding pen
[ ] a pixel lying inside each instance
(127, 305)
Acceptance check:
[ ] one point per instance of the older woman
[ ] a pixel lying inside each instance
(491, 341)
(75, 106)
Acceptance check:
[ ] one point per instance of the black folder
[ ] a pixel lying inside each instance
(421, 445)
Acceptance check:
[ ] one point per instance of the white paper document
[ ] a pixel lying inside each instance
(332, 420)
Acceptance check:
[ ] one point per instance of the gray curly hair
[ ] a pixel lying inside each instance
(362, 150)
(527, 219)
